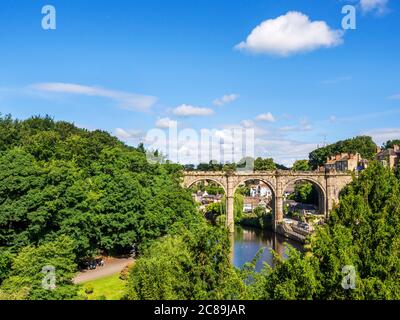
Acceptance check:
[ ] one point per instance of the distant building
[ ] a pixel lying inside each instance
(247, 207)
(250, 203)
(204, 198)
(345, 162)
(389, 157)
(303, 208)
(260, 190)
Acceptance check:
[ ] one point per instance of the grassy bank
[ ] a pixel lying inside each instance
(107, 288)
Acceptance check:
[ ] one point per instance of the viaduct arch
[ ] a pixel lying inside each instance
(328, 184)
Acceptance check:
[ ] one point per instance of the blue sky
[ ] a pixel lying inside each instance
(126, 67)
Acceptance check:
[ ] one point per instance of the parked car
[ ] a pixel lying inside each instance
(92, 264)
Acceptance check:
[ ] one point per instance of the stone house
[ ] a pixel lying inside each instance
(345, 162)
(389, 157)
(204, 198)
(250, 203)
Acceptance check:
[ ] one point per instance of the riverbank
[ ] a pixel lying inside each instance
(247, 241)
(265, 223)
(253, 221)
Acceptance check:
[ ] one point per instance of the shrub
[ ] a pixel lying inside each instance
(124, 275)
(89, 289)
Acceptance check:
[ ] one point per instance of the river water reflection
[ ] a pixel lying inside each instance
(247, 241)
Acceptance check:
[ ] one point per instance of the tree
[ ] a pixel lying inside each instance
(213, 165)
(58, 179)
(390, 143)
(214, 188)
(229, 168)
(362, 144)
(213, 211)
(293, 279)
(264, 219)
(191, 265)
(6, 260)
(190, 167)
(26, 278)
(305, 192)
(9, 133)
(363, 231)
(371, 206)
(261, 164)
(238, 203)
(281, 167)
(301, 165)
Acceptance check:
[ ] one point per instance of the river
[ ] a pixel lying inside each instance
(247, 241)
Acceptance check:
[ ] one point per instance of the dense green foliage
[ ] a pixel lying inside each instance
(210, 187)
(68, 193)
(390, 143)
(58, 179)
(259, 218)
(267, 164)
(305, 192)
(238, 203)
(211, 166)
(25, 278)
(362, 144)
(193, 265)
(363, 231)
(301, 165)
(213, 211)
(6, 259)
(246, 163)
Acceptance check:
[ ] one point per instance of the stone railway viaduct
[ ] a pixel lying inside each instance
(328, 185)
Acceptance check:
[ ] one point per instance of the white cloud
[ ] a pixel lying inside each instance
(228, 98)
(128, 134)
(283, 151)
(185, 110)
(289, 34)
(192, 146)
(230, 143)
(165, 123)
(247, 123)
(125, 100)
(306, 127)
(379, 6)
(266, 117)
(384, 134)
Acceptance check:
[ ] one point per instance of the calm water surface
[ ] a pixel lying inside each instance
(247, 241)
